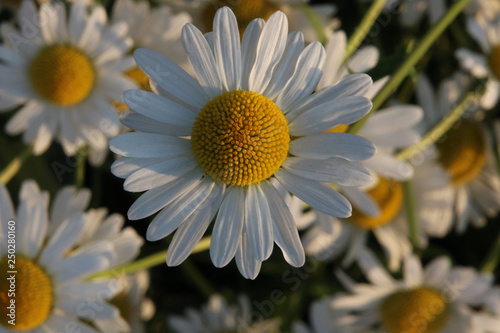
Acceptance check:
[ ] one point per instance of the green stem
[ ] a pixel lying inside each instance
(411, 212)
(364, 27)
(11, 170)
(411, 61)
(147, 262)
(315, 22)
(440, 129)
(493, 257)
(81, 158)
(199, 280)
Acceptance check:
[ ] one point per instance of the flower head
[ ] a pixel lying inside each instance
(215, 145)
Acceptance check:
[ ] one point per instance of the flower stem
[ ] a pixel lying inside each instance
(440, 129)
(315, 22)
(411, 213)
(411, 61)
(198, 279)
(147, 262)
(80, 167)
(11, 170)
(364, 27)
(493, 257)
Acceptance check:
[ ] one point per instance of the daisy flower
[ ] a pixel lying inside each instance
(126, 243)
(51, 293)
(210, 146)
(465, 153)
(64, 72)
(218, 316)
(433, 299)
(203, 12)
(134, 306)
(486, 32)
(157, 29)
(375, 205)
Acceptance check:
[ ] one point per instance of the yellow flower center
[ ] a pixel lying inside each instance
(463, 152)
(338, 129)
(62, 74)
(244, 10)
(240, 137)
(494, 61)
(388, 194)
(30, 289)
(419, 310)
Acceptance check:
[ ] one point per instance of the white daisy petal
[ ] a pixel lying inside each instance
(227, 48)
(158, 197)
(413, 274)
(125, 166)
(332, 170)
(316, 195)
(362, 201)
(327, 145)
(270, 48)
(335, 49)
(146, 145)
(258, 223)
(373, 270)
(159, 108)
(473, 62)
(249, 49)
(142, 123)
(190, 232)
(171, 78)
(305, 79)
(63, 239)
(351, 85)
(248, 266)
(78, 266)
(326, 116)
(202, 59)
(284, 229)
(160, 173)
(227, 229)
(173, 215)
(364, 59)
(285, 68)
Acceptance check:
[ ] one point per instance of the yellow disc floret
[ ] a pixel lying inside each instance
(240, 137)
(494, 61)
(244, 10)
(30, 289)
(419, 310)
(62, 74)
(388, 194)
(463, 152)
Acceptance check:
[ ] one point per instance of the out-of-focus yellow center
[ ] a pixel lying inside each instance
(388, 194)
(244, 10)
(419, 310)
(240, 137)
(338, 129)
(32, 291)
(494, 61)
(62, 74)
(463, 152)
